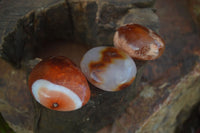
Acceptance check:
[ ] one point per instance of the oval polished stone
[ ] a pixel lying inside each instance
(58, 84)
(139, 42)
(108, 68)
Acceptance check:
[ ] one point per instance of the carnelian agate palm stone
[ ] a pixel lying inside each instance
(108, 68)
(139, 42)
(58, 84)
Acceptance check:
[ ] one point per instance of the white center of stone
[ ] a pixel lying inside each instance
(42, 83)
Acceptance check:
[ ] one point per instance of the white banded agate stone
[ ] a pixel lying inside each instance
(58, 84)
(108, 68)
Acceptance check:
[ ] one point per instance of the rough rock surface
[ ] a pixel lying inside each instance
(71, 21)
(11, 11)
(151, 111)
(15, 99)
(170, 85)
(194, 7)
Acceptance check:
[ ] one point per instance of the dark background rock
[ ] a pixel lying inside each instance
(71, 21)
(194, 8)
(11, 11)
(131, 3)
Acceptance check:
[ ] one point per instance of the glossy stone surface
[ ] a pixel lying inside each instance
(139, 42)
(108, 68)
(58, 84)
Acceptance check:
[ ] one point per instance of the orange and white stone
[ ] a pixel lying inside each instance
(58, 84)
(108, 68)
(139, 42)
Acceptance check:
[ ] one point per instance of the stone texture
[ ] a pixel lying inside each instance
(148, 113)
(194, 7)
(71, 21)
(170, 84)
(131, 3)
(15, 98)
(142, 16)
(21, 111)
(90, 23)
(11, 11)
(177, 106)
(32, 29)
(166, 81)
(139, 16)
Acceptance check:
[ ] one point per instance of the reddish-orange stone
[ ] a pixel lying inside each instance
(57, 101)
(58, 84)
(139, 42)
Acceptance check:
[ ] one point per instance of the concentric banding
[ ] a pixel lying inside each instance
(37, 91)
(108, 68)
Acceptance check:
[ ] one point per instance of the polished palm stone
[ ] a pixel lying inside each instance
(139, 42)
(108, 68)
(58, 84)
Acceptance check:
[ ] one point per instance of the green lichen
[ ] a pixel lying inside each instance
(4, 128)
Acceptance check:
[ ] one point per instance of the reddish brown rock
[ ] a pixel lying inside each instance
(139, 42)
